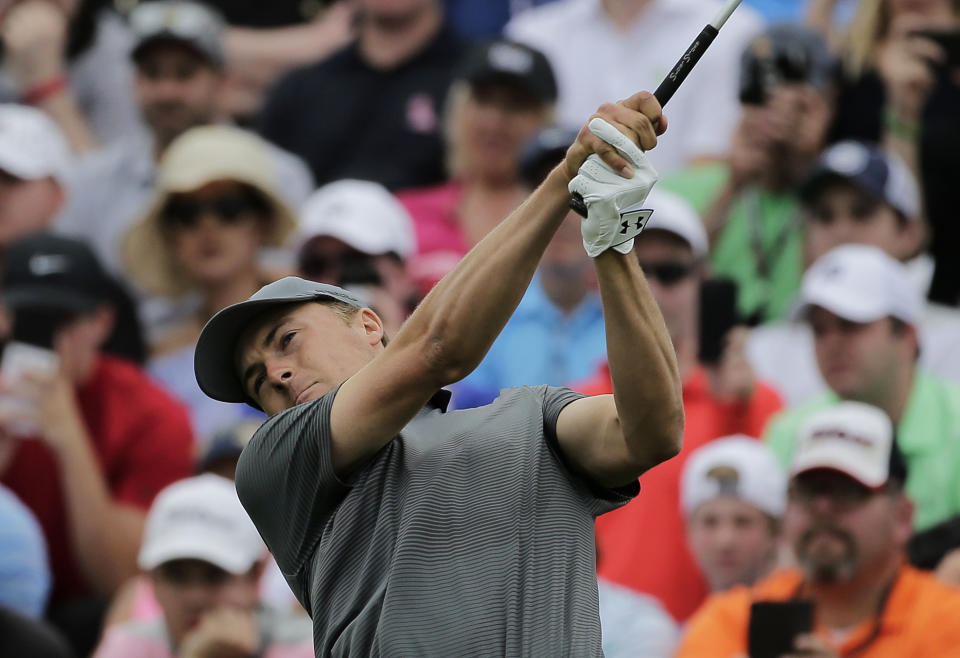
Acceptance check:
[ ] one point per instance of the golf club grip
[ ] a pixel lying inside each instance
(669, 86)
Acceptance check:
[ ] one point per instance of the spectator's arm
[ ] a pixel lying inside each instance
(34, 35)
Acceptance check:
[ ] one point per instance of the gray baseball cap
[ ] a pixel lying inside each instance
(180, 21)
(214, 358)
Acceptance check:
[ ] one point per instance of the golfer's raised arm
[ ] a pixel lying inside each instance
(454, 326)
(614, 439)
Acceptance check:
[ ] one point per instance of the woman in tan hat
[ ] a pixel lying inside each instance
(198, 246)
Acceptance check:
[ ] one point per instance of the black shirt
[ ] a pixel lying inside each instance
(348, 120)
(859, 116)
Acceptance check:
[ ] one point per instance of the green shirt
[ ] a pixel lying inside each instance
(761, 245)
(928, 436)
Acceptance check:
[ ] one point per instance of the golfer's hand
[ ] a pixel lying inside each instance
(614, 191)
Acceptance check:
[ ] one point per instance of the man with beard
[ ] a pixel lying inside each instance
(848, 521)
(179, 76)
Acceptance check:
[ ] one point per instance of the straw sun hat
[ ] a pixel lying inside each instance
(200, 156)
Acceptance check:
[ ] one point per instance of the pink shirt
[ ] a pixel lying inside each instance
(440, 240)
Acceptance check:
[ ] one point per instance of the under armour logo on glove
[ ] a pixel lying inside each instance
(615, 213)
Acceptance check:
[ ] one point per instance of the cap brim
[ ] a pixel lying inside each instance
(50, 297)
(190, 547)
(857, 310)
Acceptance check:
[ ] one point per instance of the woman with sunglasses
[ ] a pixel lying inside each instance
(198, 249)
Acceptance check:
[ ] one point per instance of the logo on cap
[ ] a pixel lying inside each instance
(505, 57)
(726, 478)
(848, 159)
(47, 264)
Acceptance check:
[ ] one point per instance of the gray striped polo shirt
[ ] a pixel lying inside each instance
(466, 535)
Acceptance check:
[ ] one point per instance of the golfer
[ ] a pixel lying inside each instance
(407, 530)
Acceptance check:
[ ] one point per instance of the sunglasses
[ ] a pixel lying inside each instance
(668, 273)
(184, 212)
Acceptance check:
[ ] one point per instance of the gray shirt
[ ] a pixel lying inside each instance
(466, 535)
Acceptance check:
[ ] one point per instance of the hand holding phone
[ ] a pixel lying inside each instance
(775, 626)
(18, 359)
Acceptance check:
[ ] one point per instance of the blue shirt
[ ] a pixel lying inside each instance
(24, 569)
(539, 345)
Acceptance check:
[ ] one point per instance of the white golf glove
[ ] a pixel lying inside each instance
(615, 214)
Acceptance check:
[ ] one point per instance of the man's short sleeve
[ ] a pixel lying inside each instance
(599, 499)
(286, 482)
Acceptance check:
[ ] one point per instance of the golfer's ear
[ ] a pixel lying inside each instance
(372, 325)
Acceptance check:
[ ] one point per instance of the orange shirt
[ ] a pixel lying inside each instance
(643, 545)
(920, 619)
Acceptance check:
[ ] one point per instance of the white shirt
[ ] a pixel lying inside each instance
(596, 61)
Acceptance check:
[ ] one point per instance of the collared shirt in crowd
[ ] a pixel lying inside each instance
(539, 345)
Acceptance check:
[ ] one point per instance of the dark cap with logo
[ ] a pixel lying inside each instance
(511, 63)
(49, 271)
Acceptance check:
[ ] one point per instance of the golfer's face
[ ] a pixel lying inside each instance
(302, 352)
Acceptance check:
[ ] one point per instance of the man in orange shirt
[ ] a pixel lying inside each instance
(848, 521)
(643, 545)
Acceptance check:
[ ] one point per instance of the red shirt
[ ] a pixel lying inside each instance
(440, 240)
(143, 440)
(643, 545)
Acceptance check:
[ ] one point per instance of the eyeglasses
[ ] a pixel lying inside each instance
(184, 212)
(668, 273)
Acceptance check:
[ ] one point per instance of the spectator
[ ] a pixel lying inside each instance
(205, 559)
(104, 440)
(643, 545)
(371, 110)
(504, 93)
(863, 195)
(68, 58)
(898, 89)
(748, 203)
(848, 520)
(354, 234)
(34, 165)
(733, 494)
(555, 336)
(864, 315)
(24, 569)
(576, 34)
(198, 244)
(178, 55)
(34, 159)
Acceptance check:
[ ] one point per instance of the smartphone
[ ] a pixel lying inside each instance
(949, 41)
(19, 358)
(718, 315)
(775, 625)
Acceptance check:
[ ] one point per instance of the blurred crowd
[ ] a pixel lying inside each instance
(163, 159)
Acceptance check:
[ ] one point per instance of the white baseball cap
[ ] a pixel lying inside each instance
(860, 284)
(31, 145)
(738, 466)
(853, 438)
(674, 214)
(201, 518)
(362, 214)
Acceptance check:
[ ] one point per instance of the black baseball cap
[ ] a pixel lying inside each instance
(512, 63)
(785, 52)
(543, 152)
(52, 272)
(214, 358)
